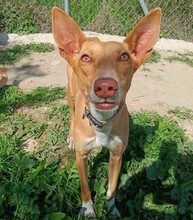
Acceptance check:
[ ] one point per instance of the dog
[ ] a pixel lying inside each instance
(99, 77)
(3, 78)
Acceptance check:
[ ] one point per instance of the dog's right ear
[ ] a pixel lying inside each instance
(143, 37)
(67, 34)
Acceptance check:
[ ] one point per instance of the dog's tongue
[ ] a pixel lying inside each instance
(105, 106)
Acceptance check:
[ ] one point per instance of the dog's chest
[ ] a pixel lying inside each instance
(103, 138)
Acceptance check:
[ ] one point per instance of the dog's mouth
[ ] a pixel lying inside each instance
(105, 106)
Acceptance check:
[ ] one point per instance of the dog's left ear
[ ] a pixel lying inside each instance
(144, 36)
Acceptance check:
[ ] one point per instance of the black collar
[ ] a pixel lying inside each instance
(97, 123)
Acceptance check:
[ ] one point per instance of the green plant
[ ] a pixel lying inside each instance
(152, 169)
(154, 58)
(33, 185)
(182, 113)
(184, 58)
(12, 55)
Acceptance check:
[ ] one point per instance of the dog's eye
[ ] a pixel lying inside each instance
(86, 58)
(124, 57)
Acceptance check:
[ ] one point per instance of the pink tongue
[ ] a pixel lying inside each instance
(105, 106)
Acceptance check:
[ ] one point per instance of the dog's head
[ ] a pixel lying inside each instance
(105, 69)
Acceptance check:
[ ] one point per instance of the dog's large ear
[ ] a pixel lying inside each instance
(144, 36)
(67, 34)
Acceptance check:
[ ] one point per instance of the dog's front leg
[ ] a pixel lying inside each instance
(87, 204)
(70, 99)
(115, 163)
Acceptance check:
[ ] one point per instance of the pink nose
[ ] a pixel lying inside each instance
(105, 87)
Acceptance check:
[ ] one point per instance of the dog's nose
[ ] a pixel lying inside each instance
(105, 87)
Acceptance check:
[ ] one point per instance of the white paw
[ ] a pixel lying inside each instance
(70, 142)
(87, 210)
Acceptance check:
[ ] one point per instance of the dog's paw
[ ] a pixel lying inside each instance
(70, 142)
(87, 210)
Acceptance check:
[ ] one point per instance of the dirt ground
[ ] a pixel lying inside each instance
(156, 87)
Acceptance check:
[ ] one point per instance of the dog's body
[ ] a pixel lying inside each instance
(99, 76)
(3, 78)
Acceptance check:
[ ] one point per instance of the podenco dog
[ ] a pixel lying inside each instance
(99, 76)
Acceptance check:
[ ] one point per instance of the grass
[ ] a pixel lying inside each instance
(184, 58)
(12, 55)
(182, 113)
(14, 98)
(154, 58)
(156, 176)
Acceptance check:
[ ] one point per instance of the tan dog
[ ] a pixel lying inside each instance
(99, 76)
(3, 78)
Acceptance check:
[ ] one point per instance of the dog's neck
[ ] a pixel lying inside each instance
(101, 119)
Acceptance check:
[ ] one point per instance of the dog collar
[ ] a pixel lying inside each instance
(97, 123)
